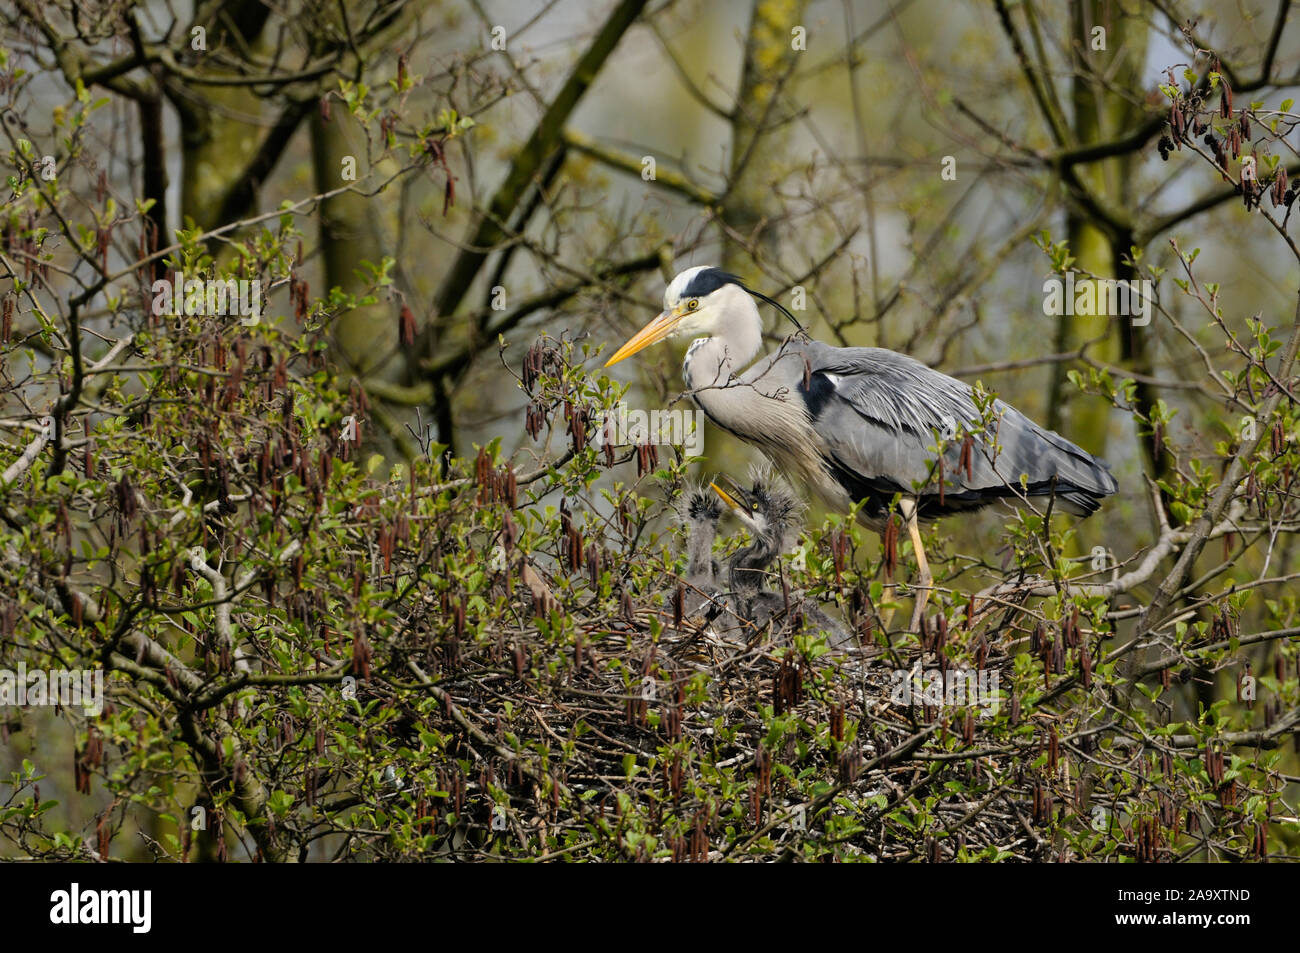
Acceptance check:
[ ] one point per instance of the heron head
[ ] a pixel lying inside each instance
(697, 506)
(699, 302)
(769, 509)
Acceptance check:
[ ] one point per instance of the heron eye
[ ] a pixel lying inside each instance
(692, 304)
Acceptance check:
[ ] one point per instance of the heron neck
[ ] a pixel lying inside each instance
(748, 565)
(711, 361)
(699, 550)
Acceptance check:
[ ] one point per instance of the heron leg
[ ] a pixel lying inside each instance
(890, 591)
(887, 595)
(924, 581)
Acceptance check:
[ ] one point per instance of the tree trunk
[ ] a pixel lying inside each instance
(1099, 114)
(770, 59)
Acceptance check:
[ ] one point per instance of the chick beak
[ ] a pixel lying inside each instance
(737, 500)
(726, 498)
(652, 333)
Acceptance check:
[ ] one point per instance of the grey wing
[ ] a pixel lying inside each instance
(880, 413)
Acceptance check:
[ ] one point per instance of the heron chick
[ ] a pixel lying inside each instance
(863, 425)
(774, 517)
(699, 511)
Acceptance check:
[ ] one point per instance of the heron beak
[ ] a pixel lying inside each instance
(737, 499)
(652, 333)
(726, 498)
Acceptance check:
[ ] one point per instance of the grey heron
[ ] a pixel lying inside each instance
(861, 425)
(773, 516)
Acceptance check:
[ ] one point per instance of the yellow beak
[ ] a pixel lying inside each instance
(652, 333)
(726, 498)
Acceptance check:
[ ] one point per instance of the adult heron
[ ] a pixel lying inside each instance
(861, 425)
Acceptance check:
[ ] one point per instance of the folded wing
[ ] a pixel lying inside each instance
(881, 415)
